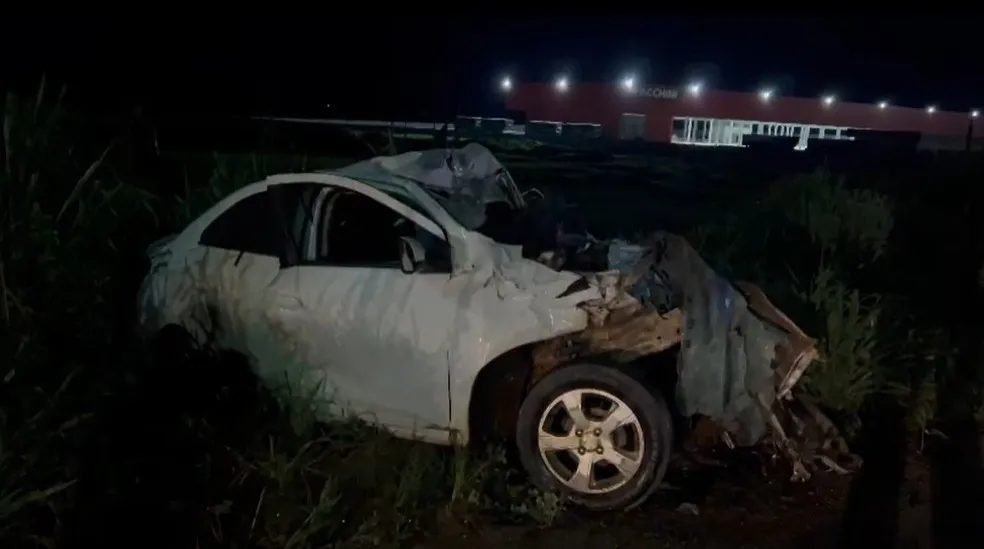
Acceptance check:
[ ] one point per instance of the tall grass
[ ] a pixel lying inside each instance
(55, 203)
(819, 233)
(833, 242)
(850, 367)
(850, 229)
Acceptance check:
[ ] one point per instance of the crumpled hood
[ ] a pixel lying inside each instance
(526, 293)
(515, 274)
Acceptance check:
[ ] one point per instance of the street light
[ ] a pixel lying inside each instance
(562, 84)
(975, 113)
(766, 95)
(629, 83)
(828, 100)
(931, 109)
(506, 84)
(695, 88)
(883, 105)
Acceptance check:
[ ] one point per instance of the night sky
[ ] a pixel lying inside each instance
(431, 67)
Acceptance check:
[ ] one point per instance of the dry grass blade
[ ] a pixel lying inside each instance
(73, 196)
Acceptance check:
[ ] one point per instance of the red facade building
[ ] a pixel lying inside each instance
(723, 118)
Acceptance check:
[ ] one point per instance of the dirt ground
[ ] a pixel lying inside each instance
(742, 504)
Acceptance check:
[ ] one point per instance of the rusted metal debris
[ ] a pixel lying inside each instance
(624, 329)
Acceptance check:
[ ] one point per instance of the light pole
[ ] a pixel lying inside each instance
(970, 130)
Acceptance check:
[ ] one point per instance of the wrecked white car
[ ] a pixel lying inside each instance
(375, 287)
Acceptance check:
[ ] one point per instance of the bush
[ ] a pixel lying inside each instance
(812, 223)
(850, 229)
(834, 216)
(849, 370)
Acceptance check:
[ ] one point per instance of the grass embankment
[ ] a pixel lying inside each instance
(104, 438)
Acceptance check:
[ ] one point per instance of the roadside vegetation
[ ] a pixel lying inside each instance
(102, 436)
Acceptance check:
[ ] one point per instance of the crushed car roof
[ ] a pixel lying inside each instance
(470, 177)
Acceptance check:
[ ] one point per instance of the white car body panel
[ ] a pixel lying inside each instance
(402, 350)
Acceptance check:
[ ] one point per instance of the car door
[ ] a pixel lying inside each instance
(371, 340)
(241, 250)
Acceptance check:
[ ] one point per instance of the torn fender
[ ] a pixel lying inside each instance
(738, 352)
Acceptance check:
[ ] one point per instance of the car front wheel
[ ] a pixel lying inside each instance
(596, 435)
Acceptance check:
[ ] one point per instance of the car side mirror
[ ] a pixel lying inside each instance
(411, 254)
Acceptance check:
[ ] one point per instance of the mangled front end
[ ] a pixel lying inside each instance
(739, 357)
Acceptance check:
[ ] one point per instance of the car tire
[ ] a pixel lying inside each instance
(641, 439)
